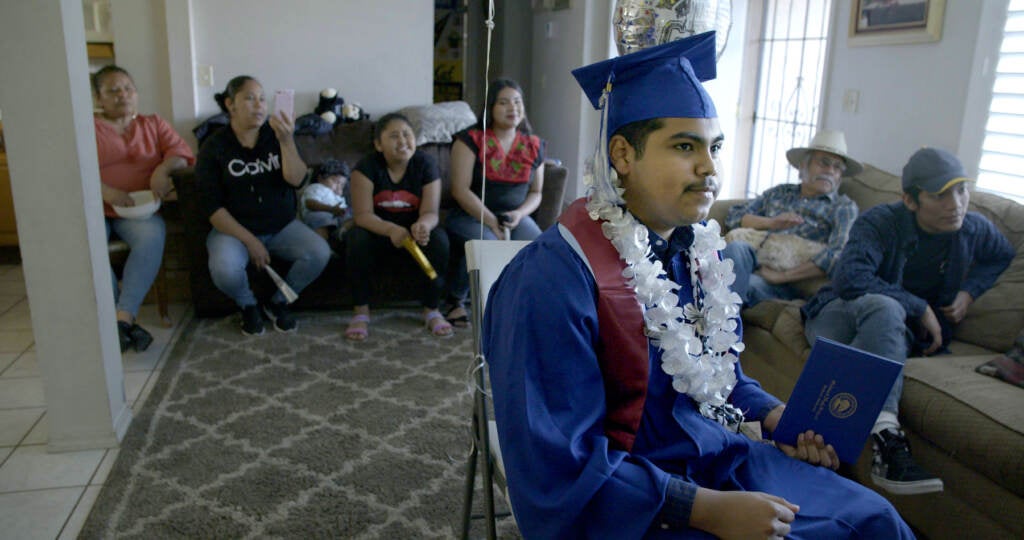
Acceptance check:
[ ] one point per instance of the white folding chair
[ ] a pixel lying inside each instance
(485, 259)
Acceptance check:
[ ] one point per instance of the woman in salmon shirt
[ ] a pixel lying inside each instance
(136, 152)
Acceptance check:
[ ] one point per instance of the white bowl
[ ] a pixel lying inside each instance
(145, 205)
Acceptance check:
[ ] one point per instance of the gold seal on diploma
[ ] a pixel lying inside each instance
(843, 405)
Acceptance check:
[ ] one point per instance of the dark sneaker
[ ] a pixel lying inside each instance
(252, 321)
(124, 335)
(284, 321)
(141, 339)
(894, 470)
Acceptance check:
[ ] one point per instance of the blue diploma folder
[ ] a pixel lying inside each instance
(838, 395)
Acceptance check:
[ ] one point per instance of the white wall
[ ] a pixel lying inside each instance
(377, 53)
(140, 34)
(557, 104)
(725, 92)
(516, 41)
(567, 39)
(910, 95)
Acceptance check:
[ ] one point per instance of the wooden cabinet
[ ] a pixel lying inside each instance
(8, 229)
(100, 51)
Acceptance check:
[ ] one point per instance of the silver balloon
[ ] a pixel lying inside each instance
(645, 23)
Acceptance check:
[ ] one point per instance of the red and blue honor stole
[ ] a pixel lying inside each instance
(396, 202)
(511, 168)
(623, 353)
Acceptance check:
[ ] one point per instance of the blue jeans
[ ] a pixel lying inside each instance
(874, 323)
(462, 228)
(295, 242)
(145, 238)
(751, 287)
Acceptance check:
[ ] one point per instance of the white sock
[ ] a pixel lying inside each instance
(886, 420)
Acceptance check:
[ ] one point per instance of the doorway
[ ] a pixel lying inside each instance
(450, 24)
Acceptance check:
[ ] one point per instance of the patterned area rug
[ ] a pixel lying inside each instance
(299, 435)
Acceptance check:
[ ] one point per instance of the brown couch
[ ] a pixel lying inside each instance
(348, 142)
(965, 427)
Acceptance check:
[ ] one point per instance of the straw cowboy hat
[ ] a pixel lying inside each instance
(826, 140)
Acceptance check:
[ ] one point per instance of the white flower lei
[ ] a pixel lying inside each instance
(698, 341)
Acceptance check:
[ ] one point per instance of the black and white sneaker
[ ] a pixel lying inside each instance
(252, 320)
(894, 470)
(284, 321)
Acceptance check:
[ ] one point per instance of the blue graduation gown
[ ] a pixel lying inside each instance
(539, 337)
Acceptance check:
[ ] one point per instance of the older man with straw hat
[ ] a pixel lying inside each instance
(812, 210)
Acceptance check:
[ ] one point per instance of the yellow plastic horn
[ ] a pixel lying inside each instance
(417, 254)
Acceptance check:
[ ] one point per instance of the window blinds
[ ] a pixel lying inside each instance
(1001, 168)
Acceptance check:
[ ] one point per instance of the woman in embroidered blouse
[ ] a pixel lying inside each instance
(396, 193)
(515, 178)
(136, 152)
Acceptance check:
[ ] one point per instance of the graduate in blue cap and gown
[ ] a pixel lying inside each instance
(613, 343)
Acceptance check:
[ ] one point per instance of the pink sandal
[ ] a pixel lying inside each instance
(437, 324)
(358, 333)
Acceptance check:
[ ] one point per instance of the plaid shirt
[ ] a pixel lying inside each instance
(827, 218)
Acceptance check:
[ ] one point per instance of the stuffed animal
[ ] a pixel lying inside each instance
(351, 112)
(323, 117)
(329, 106)
(778, 251)
(332, 108)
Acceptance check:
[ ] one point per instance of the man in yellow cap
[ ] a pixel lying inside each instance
(612, 341)
(905, 279)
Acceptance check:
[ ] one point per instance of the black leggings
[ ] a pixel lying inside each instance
(364, 250)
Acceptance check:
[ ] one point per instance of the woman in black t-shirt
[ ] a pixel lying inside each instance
(247, 173)
(396, 193)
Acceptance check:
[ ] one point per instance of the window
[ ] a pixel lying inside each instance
(793, 46)
(1001, 168)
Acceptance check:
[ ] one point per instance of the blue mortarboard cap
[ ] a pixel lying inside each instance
(657, 82)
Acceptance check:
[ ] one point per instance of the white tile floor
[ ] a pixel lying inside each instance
(44, 495)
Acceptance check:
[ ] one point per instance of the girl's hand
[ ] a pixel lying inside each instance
(495, 226)
(512, 219)
(398, 234)
(420, 233)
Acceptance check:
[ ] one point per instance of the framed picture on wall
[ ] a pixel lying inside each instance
(894, 22)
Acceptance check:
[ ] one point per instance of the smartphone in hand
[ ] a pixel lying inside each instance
(284, 101)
